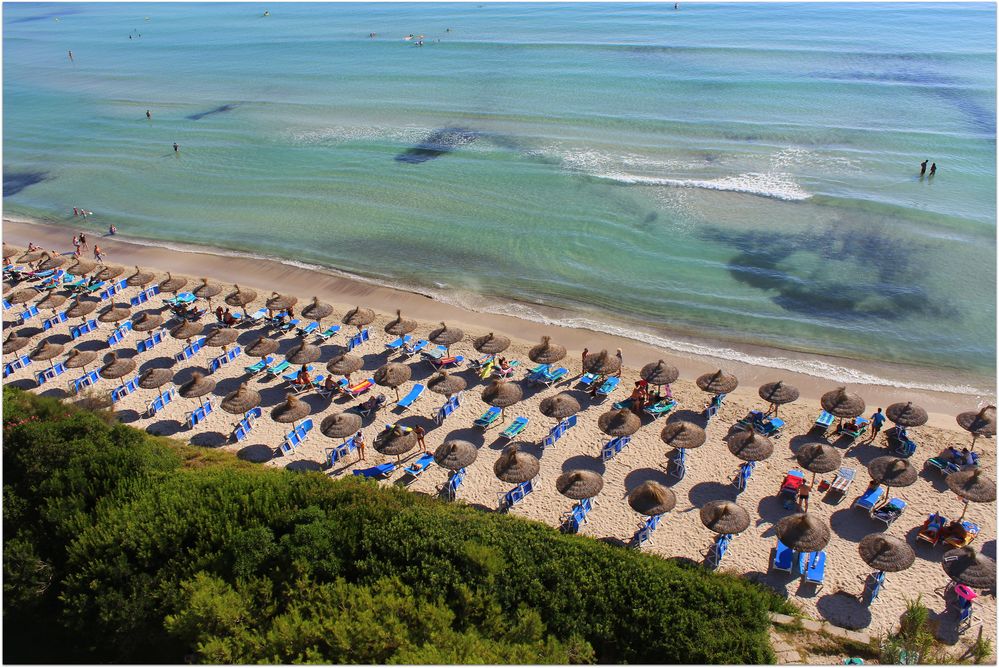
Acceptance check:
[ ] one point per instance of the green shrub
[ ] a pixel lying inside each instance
(124, 547)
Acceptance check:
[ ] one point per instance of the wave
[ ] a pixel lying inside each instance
(774, 186)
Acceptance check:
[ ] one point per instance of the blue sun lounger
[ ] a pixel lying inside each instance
(486, 419)
(576, 517)
(254, 369)
(587, 379)
(744, 474)
(156, 338)
(407, 401)
(608, 386)
(660, 408)
(160, 402)
(277, 369)
(558, 431)
(28, 314)
(17, 364)
(614, 446)
(890, 511)
(293, 376)
(380, 471)
(243, 428)
(813, 567)
(824, 421)
(453, 483)
(86, 380)
(517, 426)
(182, 298)
(417, 468)
(224, 359)
(875, 582)
(716, 403)
(869, 498)
(783, 557)
(644, 534)
(296, 437)
(418, 347)
(122, 391)
(358, 339)
(328, 333)
(338, 452)
(48, 374)
(199, 414)
(397, 345)
(449, 407)
(515, 495)
(719, 549)
(679, 463)
(54, 320)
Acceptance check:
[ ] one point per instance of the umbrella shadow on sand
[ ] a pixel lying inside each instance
(210, 439)
(157, 363)
(470, 434)
(923, 550)
(585, 463)
(845, 610)
(304, 465)
(935, 478)
(770, 511)
(638, 476)
(24, 384)
(99, 344)
(851, 525)
(865, 454)
(166, 427)
(989, 549)
(711, 490)
(778, 581)
(801, 440)
(687, 415)
(257, 453)
(127, 416)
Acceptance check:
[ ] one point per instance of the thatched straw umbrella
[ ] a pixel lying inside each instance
(889, 554)
(262, 347)
(358, 317)
(152, 379)
(602, 363)
(455, 454)
(13, 343)
(240, 296)
(491, 344)
(892, 472)
(171, 284)
(317, 310)
(619, 422)
(446, 336)
(400, 326)
(651, 499)
(240, 401)
(683, 435)
(395, 440)
(659, 373)
(340, 425)
(81, 309)
(147, 322)
(304, 353)
(516, 466)
(116, 367)
(46, 351)
(31, 256)
(979, 423)
(972, 485)
(279, 302)
(9, 251)
(51, 262)
(803, 532)
(718, 382)
(842, 404)
(966, 566)
(197, 387)
(546, 352)
(22, 296)
(81, 266)
(501, 395)
(220, 338)
(186, 330)
(79, 359)
(292, 410)
(560, 406)
(579, 484)
(51, 300)
(446, 384)
(108, 273)
(345, 364)
(206, 290)
(139, 278)
(750, 446)
(723, 516)
(819, 458)
(115, 313)
(907, 414)
(393, 375)
(778, 394)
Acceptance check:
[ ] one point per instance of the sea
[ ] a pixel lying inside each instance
(738, 180)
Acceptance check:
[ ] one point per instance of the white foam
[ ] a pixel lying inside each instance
(775, 186)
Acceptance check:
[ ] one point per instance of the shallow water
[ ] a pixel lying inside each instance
(745, 174)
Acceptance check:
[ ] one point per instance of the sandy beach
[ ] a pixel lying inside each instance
(710, 468)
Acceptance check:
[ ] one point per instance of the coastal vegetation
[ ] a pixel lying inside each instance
(124, 547)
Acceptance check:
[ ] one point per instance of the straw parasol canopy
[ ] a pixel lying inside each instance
(51, 262)
(819, 458)
(659, 373)
(115, 313)
(343, 365)
(45, 351)
(803, 532)
(79, 359)
(186, 330)
(8, 251)
(886, 553)
(116, 367)
(779, 393)
(139, 278)
(240, 296)
(14, 343)
(171, 284)
(979, 423)
(206, 290)
(340, 425)
(892, 471)
(750, 446)
(51, 300)
(907, 414)
(395, 440)
(966, 566)
(278, 302)
(400, 325)
(31, 256)
(972, 485)
(80, 309)
(154, 378)
(491, 344)
(619, 423)
(304, 353)
(198, 386)
(455, 454)
(718, 382)
(262, 347)
(146, 322)
(22, 296)
(107, 273)
(221, 337)
(317, 310)
(843, 404)
(546, 352)
(240, 401)
(602, 363)
(446, 384)
(579, 484)
(650, 498)
(724, 516)
(393, 375)
(516, 466)
(81, 266)
(683, 435)
(446, 336)
(292, 410)
(501, 394)
(358, 317)
(562, 405)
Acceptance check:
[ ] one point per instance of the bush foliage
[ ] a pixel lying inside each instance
(123, 547)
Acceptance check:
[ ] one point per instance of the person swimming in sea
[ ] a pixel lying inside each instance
(266, 13)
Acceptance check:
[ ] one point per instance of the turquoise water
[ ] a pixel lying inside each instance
(740, 174)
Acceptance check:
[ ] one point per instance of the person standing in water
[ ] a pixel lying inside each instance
(922, 167)
(149, 115)
(70, 55)
(176, 148)
(933, 169)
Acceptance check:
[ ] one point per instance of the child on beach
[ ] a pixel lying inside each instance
(359, 442)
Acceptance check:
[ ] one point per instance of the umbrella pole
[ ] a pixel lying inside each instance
(963, 513)
(974, 437)
(396, 394)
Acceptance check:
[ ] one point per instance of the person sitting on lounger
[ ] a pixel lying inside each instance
(503, 367)
(968, 457)
(228, 319)
(901, 434)
(330, 386)
(637, 398)
(92, 281)
(219, 313)
(303, 377)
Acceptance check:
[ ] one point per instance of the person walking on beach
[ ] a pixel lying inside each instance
(83, 241)
(620, 359)
(922, 167)
(359, 442)
(877, 421)
(420, 433)
(933, 169)
(586, 351)
(98, 253)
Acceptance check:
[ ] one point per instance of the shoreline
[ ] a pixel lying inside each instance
(340, 288)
